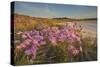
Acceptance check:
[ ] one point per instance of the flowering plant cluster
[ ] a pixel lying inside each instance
(32, 40)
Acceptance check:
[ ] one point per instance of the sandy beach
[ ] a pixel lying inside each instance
(89, 28)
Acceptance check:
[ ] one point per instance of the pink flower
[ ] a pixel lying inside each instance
(72, 50)
(75, 52)
(22, 45)
(35, 42)
(31, 52)
(53, 40)
(32, 40)
(24, 36)
(27, 41)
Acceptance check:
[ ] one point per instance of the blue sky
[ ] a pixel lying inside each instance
(55, 10)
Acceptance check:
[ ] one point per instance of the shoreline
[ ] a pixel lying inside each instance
(88, 33)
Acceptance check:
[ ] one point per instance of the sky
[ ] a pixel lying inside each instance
(55, 10)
